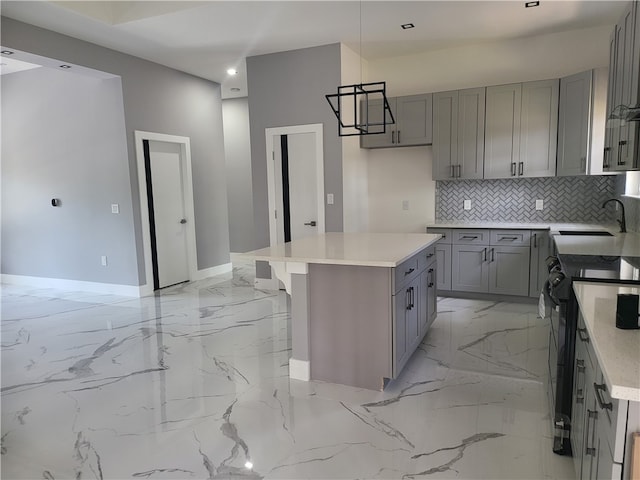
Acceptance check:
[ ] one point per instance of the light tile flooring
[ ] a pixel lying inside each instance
(192, 383)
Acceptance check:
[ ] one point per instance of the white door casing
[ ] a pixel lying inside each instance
(274, 180)
(169, 213)
(187, 184)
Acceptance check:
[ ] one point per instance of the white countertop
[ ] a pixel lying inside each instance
(554, 227)
(363, 249)
(625, 244)
(617, 350)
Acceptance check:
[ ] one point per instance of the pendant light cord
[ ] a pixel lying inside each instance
(360, 42)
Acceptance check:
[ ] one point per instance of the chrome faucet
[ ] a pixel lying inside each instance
(622, 221)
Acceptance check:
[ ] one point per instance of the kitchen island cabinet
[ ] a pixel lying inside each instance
(360, 303)
(606, 394)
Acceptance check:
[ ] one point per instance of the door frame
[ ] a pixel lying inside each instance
(275, 223)
(187, 192)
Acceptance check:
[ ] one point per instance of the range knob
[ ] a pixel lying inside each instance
(552, 262)
(556, 278)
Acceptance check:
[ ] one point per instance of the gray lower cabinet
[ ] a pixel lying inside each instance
(443, 259)
(540, 250)
(414, 304)
(598, 422)
(509, 270)
(470, 270)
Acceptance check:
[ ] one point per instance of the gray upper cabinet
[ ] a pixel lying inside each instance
(521, 130)
(413, 122)
(622, 147)
(574, 124)
(502, 131)
(539, 128)
(458, 134)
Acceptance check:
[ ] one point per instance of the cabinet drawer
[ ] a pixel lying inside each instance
(510, 237)
(445, 232)
(406, 272)
(470, 237)
(425, 257)
(612, 417)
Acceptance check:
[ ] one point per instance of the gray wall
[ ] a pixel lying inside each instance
(156, 99)
(566, 199)
(237, 148)
(55, 146)
(289, 88)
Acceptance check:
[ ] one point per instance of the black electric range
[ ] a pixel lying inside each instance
(562, 305)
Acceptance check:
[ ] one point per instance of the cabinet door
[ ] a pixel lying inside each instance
(471, 113)
(629, 70)
(406, 325)
(380, 140)
(415, 123)
(443, 269)
(432, 294)
(423, 301)
(539, 129)
(578, 407)
(502, 131)
(445, 134)
(611, 133)
(540, 250)
(574, 124)
(509, 270)
(470, 270)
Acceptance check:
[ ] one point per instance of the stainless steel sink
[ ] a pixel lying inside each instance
(593, 233)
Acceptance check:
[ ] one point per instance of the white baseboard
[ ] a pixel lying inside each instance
(73, 285)
(267, 284)
(300, 369)
(213, 271)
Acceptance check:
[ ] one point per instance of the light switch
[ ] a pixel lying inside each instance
(329, 198)
(405, 204)
(467, 204)
(115, 208)
(539, 204)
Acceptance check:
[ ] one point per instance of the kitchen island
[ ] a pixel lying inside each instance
(360, 303)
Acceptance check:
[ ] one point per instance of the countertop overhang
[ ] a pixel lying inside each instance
(358, 249)
(618, 351)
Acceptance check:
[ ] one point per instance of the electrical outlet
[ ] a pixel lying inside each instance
(539, 204)
(329, 198)
(103, 260)
(405, 204)
(467, 204)
(115, 208)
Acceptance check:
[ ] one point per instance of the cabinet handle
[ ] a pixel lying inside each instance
(605, 163)
(513, 169)
(535, 240)
(590, 414)
(429, 255)
(453, 171)
(407, 299)
(393, 136)
(413, 297)
(601, 403)
(472, 237)
(398, 137)
(430, 278)
(583, 336)
(621, 143)
(521, 168)
(409, 271)
(493, 254)
(507, 238)
(484, 250)
(459, 171)
(583, 163)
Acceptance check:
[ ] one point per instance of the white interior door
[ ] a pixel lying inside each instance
(303, 191)
(169, 219)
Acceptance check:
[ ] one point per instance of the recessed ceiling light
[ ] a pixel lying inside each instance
(535, 3)
(65, 66)
(7, 52)
(407, 26)
(232, 71)
(234, 89)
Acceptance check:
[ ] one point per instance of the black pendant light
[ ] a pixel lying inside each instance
(361, 108)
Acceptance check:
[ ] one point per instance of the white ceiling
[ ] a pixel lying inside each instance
(205, 38)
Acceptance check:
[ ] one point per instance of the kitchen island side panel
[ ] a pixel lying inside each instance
(350, 324)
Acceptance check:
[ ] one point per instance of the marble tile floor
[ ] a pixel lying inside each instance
(193, 383)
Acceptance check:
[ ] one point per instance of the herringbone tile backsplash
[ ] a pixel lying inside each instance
(566, 199)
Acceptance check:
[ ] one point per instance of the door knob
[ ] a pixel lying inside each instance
(312, 223)
(183, 221)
